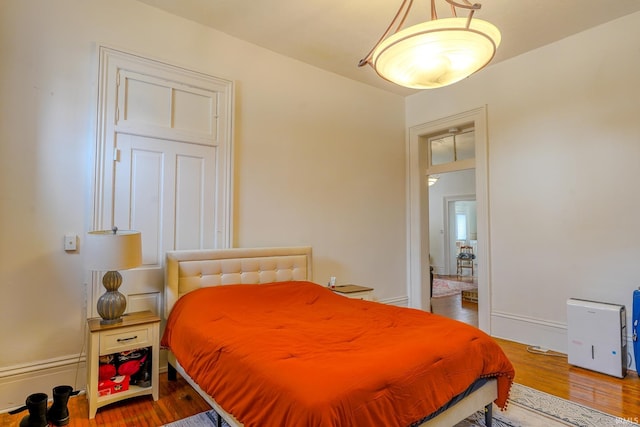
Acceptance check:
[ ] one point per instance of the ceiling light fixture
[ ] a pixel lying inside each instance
(434, 53)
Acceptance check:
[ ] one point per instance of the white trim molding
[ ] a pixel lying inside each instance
(397, 301)
(529, 330)
(19, 381)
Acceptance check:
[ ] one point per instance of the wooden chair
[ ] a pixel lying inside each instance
(466, 259)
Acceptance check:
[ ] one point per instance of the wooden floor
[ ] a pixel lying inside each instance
(453, 306)
(553, 375)
(177, 400)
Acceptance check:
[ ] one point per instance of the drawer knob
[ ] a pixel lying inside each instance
(127, 339)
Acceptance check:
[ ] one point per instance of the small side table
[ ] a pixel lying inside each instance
(137, 330)
(355, 291)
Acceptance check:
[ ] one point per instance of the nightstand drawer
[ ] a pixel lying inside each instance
(125, 339)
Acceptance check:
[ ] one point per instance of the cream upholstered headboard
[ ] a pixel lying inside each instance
(186, 271)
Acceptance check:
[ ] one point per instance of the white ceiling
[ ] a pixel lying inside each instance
(335, 34)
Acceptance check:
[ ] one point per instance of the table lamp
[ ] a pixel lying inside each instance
(112, 250)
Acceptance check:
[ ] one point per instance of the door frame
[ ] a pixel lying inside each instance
(418, 209)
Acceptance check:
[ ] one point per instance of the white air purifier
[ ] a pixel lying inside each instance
(597, 336)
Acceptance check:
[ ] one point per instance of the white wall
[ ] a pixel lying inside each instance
(319, 160)
(564, 150)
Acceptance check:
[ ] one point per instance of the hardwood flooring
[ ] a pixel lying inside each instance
(552, 373)
(549, 373)
(177, 400)
(455, 308)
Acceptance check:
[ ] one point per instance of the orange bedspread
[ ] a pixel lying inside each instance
(296, 354)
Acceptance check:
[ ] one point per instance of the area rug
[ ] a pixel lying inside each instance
(446, 288)
(527, 408)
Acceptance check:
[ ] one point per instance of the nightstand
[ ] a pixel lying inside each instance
(139, 330)
(355, 291)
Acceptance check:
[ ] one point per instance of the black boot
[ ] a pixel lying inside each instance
(37, 406)
(58, 413)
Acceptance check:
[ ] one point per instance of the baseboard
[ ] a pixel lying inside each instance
(529, 330)
(398, 301)
(19, 381)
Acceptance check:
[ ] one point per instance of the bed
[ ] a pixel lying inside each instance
(270, 347)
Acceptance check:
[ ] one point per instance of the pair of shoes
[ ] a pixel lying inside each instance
(58, 413)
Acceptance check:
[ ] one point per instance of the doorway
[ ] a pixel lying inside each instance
(418, 230)
(453, 230)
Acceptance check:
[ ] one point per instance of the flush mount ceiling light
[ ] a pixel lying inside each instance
(435, 53)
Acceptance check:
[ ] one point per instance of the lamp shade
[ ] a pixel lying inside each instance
(107, 250)
(436, 53)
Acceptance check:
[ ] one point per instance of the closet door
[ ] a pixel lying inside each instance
(162, 165)
(165, 190)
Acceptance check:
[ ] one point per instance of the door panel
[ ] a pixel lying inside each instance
(141, 183)
(194, 178)
(151, 301)
(164, 189)
(156, 106)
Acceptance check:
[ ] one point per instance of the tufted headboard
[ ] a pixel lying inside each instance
(188, 270)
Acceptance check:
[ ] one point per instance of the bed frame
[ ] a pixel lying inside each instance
(186, 271)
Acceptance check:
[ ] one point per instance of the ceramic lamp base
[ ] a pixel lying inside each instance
(112, 304)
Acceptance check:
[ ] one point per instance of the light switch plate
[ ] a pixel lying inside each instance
(70, 242)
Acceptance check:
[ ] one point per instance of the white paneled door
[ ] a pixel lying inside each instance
(164, 189)
(162, 165)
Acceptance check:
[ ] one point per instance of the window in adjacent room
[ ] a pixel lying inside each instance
(461, 226)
